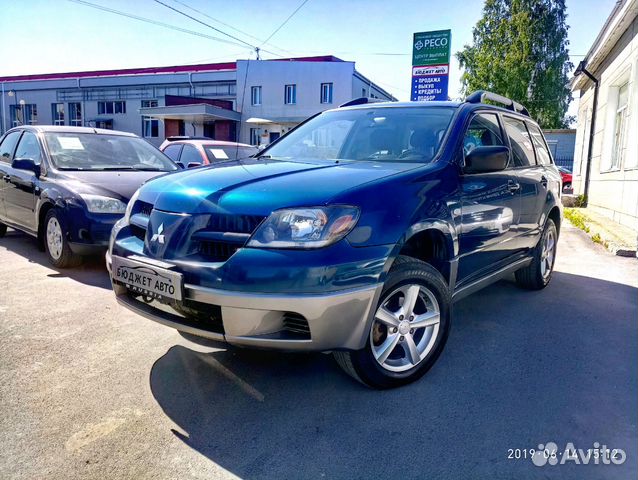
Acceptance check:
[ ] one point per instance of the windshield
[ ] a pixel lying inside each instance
(407, 134)
(217, 153)
(90, 151)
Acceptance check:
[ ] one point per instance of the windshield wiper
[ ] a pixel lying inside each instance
(136, 169)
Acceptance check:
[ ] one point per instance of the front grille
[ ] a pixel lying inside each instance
(222, 250)
(217, 251)
(222, 222)
(142, 208)
(295, 323)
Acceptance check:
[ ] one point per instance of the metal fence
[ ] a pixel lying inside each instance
(567, 162)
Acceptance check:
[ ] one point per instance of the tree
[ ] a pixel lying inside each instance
(520, 50)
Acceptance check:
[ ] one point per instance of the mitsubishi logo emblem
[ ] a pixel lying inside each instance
(158, 237)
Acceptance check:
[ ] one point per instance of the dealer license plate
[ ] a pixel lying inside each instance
(147, 279)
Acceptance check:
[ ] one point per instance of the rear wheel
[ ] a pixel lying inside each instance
(57, 246)
(567, 186)
(538, 274)
(3, 230)
(408, 331)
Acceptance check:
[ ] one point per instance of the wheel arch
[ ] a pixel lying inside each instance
(434, 242)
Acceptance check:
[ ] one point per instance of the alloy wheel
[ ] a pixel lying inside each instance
(405, 327)
(548, 253)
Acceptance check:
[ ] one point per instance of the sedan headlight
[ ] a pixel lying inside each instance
(305, 227)
(100, 204)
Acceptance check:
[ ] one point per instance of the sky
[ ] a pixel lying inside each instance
(42, 36)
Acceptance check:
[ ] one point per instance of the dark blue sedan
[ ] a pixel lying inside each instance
(67, 186)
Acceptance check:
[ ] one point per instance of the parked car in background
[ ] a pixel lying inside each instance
(68, 186)
(196, 151)
(353, 233)
(566, 176)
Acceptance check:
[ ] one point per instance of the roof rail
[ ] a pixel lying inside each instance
(481, 95)
(361, 101)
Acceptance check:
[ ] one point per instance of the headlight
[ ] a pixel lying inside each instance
(129, 207)
(100, 204)
(305, 227)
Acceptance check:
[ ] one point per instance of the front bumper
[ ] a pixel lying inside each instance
(336, 320)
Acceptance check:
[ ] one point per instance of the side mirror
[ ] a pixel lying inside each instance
(487, 159)
(26, 164)
(194, 164)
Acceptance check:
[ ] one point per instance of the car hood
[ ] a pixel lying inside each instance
(117, 184)
(261, 186)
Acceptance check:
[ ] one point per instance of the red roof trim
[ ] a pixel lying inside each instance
(204, 67)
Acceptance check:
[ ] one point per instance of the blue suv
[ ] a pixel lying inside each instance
(354, 233)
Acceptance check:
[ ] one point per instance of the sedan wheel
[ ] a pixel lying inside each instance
(54, 238)
(57, 246)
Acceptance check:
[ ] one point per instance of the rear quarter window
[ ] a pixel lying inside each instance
(543, 156)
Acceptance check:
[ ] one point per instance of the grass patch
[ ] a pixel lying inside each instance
(578, 219)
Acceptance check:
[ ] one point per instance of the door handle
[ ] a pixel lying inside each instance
(513, 186)
(6, 178)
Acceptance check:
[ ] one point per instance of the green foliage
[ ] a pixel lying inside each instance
(580, 201)
(577, 219)
(520, 50)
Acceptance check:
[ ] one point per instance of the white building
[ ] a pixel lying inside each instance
(253, 101)
(613, 173)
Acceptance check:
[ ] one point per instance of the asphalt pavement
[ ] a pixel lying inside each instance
(90, 390)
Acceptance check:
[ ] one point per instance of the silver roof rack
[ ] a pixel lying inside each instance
(481, 95)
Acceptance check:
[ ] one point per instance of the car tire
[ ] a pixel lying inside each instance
(409, 358)
(538, 274)
(567, 187)
(56, 243)
(3, 230)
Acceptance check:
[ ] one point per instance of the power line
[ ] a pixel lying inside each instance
(228, 25)
(285, 21)
(155, 22)
(204, 23)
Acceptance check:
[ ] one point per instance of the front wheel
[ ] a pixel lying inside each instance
(538, 273)
(57, 245)
(409, 329)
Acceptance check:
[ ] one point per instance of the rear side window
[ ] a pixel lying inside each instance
(8, 146)
(29, 147)
(520, 141)
(172, 152)
(484, 130)
(542, 154)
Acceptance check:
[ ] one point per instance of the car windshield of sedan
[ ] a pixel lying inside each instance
(90, 151)
(401, 134)
(218, 153)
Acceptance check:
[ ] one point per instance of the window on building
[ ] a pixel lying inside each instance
(109, 108)
(57, 113)
(75, 114)
(254, 136)
(326, 93)
(363, 92)
(620, 125)
(520, 142)
(255, 95)
(24, 114)
(150, 126)
(290, 94)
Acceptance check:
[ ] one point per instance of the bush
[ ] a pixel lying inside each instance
(581, 201)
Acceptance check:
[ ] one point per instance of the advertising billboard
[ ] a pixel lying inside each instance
(430, 65)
